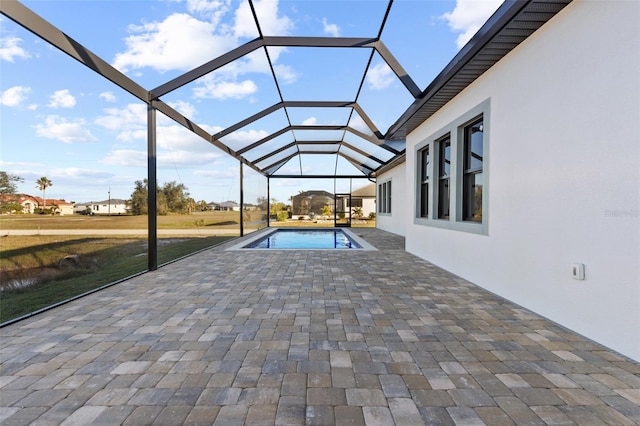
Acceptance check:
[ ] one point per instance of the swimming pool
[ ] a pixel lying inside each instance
(305, 239)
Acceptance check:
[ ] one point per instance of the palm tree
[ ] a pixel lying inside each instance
(357, 212)
(42, 184)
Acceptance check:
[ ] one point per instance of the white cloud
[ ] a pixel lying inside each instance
(287, 183)
(331, 29)
(173, 158)
(184, 41)
(126, 157)
(184, 108)
(64, 130)
(107, 96)
(214, 87)
(130, 121)
(179, 42)
(380, 76)
(310, 121)
(14, 96)
(244, 137)
(271, 23)
(165, 159)
(90, 174)
(358, 123)
(285, 73)
(62, 99)
(468, 16)
(177, 138)
(228, 82)
(213, 9)
(219, 174)
(10, 49)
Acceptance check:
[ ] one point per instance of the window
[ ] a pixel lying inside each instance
(425, 159)
(384, 197)
(444, 174)
(472, 180)
(355, 202)
(452, 174)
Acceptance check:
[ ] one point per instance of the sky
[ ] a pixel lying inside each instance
(60, 120)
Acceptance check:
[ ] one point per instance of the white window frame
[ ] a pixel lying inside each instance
(455, 130)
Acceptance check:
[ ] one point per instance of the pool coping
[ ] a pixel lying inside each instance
(264, 232)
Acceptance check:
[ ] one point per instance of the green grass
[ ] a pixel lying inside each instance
(190, 221)
(100, 261)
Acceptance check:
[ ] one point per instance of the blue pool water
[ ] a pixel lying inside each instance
(305, 239)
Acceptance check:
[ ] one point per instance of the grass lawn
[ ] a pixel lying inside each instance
(194, 220)
(93, 262)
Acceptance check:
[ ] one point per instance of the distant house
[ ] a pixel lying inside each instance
(364, 198)
(113, 206)
(310, 203)
(59, 207)
(30, 204)
(249, 206)
(225, 206)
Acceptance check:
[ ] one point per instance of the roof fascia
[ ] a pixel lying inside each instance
(505, 13)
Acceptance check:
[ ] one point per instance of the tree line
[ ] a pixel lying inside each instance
(172, 197)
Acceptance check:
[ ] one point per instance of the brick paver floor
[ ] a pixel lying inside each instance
(306, 337)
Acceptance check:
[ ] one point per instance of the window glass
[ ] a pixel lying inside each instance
(473, 197)
(443, 199)
(473, 146)
(444, 162)
(473, 165)
(389, 194)
(424, 184)
(445, 157)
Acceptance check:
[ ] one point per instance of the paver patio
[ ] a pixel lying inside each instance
(307, 337)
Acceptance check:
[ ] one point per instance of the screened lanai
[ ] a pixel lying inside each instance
(286, 100)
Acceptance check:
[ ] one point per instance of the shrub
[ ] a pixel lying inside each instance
(282, 216)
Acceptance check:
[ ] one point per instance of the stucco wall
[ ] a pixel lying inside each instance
(564, 148)
(395, 222)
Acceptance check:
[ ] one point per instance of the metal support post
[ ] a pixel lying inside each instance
(152, 189)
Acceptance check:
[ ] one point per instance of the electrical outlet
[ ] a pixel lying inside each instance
(577, 271)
